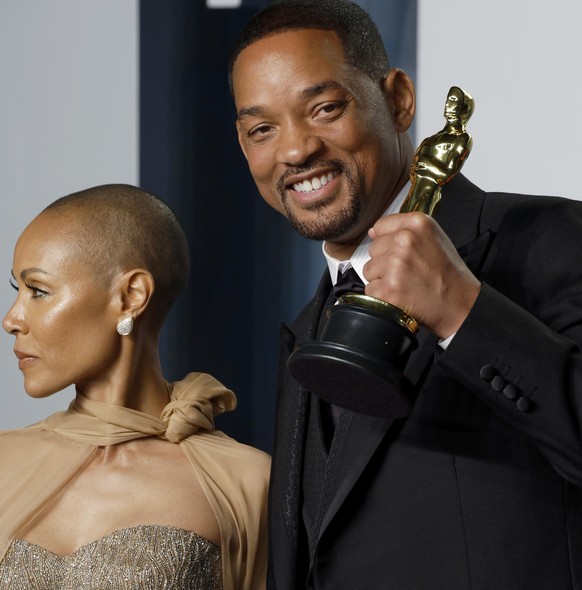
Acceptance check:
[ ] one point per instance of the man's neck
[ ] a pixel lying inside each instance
(342, 251)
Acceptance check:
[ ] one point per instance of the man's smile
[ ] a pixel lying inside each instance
(314, 183)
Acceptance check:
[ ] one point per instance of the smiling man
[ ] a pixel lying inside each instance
(480, 487)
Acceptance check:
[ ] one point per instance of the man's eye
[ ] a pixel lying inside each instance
(260, 130)
(260, 133)
(331, 108)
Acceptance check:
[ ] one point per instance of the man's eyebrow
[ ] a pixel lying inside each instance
(250, 112)
(308, 92)
(316, 89)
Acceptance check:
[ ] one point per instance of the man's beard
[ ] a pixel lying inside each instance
(326, 225)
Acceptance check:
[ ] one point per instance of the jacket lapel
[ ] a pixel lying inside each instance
(364, 435)
(292, 418)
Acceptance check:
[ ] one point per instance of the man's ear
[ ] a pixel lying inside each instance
(136, 288)
(399, 90)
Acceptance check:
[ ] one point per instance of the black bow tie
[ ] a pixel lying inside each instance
(348, 282)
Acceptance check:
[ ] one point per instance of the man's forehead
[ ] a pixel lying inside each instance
(288, 65)
(284, 47)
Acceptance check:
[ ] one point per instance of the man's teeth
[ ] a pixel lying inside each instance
(315, 183)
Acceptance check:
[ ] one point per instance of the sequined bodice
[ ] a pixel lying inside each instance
(136, 558)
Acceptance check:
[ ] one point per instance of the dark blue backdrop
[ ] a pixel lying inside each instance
(249, 269)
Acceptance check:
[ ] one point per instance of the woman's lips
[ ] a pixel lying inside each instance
(24, 359)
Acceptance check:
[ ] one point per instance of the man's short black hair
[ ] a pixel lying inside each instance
(360, 39)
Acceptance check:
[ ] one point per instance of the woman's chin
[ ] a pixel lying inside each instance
(37, 391)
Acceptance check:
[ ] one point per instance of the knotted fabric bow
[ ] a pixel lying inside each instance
(194, 403)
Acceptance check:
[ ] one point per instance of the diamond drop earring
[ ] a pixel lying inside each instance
(125, 326)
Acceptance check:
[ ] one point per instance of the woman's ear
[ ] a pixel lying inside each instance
(136, 288)
(399, 90)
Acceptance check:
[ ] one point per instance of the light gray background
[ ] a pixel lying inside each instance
(518, 59)
(68, 120)
(69, 110)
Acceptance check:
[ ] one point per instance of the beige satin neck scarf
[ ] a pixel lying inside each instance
(194, 403)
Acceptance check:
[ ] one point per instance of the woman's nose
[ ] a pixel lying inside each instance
(13, 321)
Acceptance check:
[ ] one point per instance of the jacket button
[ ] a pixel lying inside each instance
(523, 404)
(487, 372)
(498, 383)
(510, 391)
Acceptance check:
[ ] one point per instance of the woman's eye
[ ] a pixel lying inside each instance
(13, 284)
(36, 292)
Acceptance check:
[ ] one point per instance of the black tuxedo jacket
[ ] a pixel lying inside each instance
(481, 486)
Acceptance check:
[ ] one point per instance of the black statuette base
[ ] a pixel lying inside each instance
(358, 364)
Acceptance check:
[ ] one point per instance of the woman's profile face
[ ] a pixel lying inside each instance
(64, 315)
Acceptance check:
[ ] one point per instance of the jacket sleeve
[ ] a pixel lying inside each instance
(520, 347)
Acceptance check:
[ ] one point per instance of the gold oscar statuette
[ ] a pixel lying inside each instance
(359, 361)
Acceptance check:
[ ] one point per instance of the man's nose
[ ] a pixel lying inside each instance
(298, 144)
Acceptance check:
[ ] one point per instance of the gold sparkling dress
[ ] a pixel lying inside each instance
(142, 557)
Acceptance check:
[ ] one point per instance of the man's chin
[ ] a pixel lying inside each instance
(323, 229)
(325, 220)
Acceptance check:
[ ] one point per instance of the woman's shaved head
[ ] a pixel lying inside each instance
(119, 227)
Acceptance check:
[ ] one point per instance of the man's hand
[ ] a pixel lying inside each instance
(415, 267)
